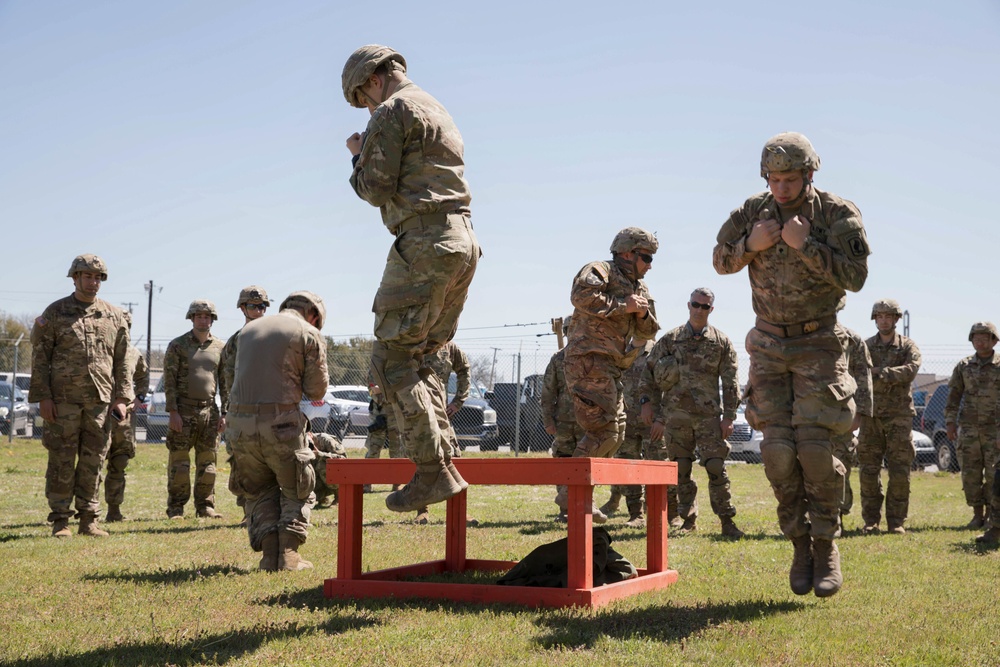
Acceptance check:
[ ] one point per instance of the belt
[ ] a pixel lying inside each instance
(429, 221)
(797, 329)
(258, 408)
(190, 402)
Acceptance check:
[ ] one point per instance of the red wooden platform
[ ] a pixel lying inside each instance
(579, 474)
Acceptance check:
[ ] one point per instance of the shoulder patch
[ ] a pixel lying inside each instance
(593, 279)
(857, 245)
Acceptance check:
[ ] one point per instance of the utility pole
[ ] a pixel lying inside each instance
(129, 304)
(493, 370)
(906, 323)
(149, 324)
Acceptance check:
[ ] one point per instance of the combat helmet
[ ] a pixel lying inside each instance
(631, 238)
(202, 306)
(788, 151)
(91, 263)
(252, 293)
(361, 65)
(983, 327)
(307, 300)
(890, 306)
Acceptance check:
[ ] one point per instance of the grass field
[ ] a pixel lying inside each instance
(160, 592)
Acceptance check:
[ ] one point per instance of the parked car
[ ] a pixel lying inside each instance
(157, 419)
(23, 382)
(932, 425)
(15, 416)
(345, 399)
(317, 412)
(745, 440)
(504, 400)
(926, 454)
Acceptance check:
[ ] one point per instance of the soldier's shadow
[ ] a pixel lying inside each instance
(174, 576)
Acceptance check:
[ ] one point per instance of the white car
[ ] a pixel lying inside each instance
(344, 400)
(745, 440)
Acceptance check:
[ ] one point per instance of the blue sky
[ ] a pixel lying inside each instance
(201, 145)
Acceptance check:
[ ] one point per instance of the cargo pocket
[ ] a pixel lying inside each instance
(305, 475)
(400, 309)
(235, 487)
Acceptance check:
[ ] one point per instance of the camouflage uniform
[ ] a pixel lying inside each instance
(382, 432)
(325, 447)
(190, 381)
(604, 340)
(557, 408)
(123, 434)
(78, 360)
(845, 445)
(442, 363)
(800, 390)
(279, 359)
(887, 433)
(973, 405)
(411, 166)
(681, 378)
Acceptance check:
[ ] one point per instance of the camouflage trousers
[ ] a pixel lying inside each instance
(566, 439)
(384, 438)
(326, 448)
(598, 403)
(688, 437)
(845, 449)
(77, 442)
(199, 430)
(275, 472)
(423, 290)
(122, 449)
(977, 456)
(889, 440)
(801, 395)
(635, 444)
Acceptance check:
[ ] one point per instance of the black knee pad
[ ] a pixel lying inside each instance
(779, 457)
(684, 467)
(715, 467)
(818, 463)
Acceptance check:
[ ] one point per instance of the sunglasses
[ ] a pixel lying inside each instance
(703, 306)
(256, 306)
(644, 257)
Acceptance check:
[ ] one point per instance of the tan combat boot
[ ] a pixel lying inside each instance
(870, 529)
(269, 553)
(114, 514)
(288, 553)
(672, 516)
(636, 516)
(596, 515)
(610, 508)
(423, 516)
(827, 579)
(800, 576)
(431, 484)
(208, 513)
(729, 528)
(978, 518)
(895, 527)
(60, 528)
(88, 526)
(690, 525)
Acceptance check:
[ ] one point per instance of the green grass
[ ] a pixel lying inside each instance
(160, 592)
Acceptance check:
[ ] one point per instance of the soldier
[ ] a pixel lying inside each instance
(252, 302)
(80, 379)
(123, 434)
(802, 248)
(325, 447)
(558, 416)
(974, 391)
(190, 380)
(887, 433)
(680, 400)
(613, 316)
(382, 431)
(845, 445)
(279, 359)
(409, 162)
(637, 442)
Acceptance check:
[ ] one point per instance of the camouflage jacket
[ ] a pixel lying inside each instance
(138, 370)
(683, 372)
(227, 369)
(632, 388)
(791, 286)
(600, 324)
(859, 366)
(894, 367)
(411, 160)
(557, 402)
(279, 359)
(191, 369)
(79, 353)
(974, 391)
(451, 358)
